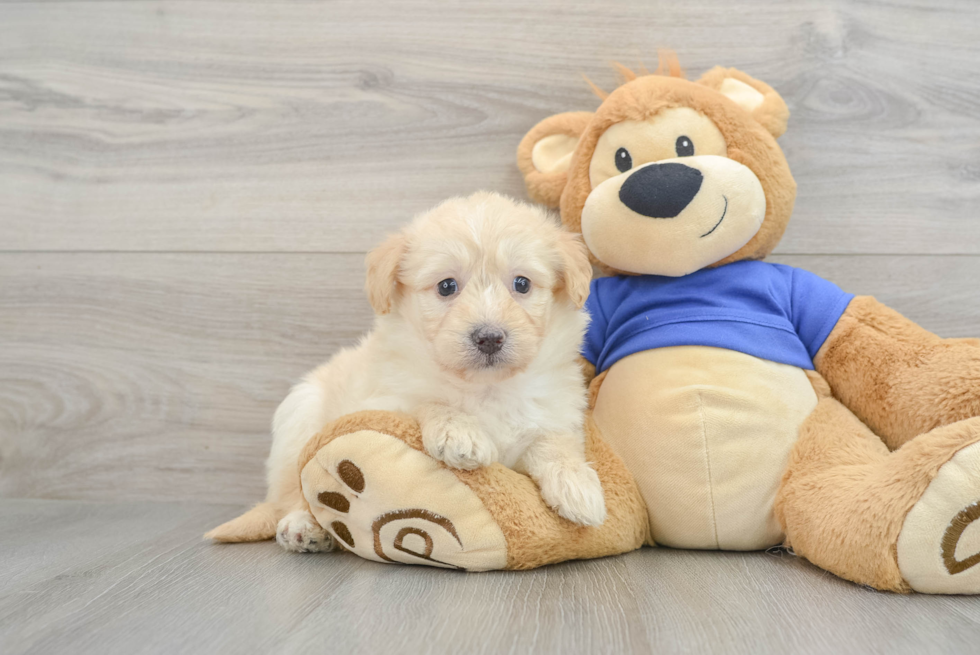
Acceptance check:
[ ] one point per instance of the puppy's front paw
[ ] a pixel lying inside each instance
(575, 493)
(300, 533)
(459, 442)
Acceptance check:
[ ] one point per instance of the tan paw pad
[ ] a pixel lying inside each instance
(388, 502)
(939, 546)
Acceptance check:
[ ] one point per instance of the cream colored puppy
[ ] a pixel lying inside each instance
(477, 334)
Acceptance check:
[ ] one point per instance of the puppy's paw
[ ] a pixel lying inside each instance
(459, 441)
(300, 533)
(575, 493)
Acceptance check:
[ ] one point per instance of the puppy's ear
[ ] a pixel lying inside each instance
(752, 95)
(545, 154)
(382, 272)
(576, 268)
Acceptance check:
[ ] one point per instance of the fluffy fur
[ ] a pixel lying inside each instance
(898, 378)
(844, 496)
(522, 406)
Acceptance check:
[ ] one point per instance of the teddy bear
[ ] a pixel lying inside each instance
(734, 404)
(755, 404)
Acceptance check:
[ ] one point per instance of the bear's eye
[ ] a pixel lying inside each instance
(522, 284)
(623, 160)
(684, 147)
(447, 287)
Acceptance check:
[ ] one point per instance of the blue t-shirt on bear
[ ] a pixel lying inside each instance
(770, 311)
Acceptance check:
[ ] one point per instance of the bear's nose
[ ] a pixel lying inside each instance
(661, 190)
(488, 340)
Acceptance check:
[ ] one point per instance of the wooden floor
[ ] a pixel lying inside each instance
(136, 578)
(186, 193)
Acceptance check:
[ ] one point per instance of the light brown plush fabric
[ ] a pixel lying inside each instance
(750, 143)
(397, 425)
(772, 114)
(895, 376)
(535, 534)
(844, 496)
(542, 187)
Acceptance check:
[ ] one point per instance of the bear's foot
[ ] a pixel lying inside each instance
(939, 545)
(902, 520)
(388, 502)
(370, 483)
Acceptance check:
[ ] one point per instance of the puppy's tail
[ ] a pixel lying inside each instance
(257, 524)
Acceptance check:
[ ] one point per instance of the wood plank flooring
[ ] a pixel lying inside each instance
(305, 126)
(136, 578)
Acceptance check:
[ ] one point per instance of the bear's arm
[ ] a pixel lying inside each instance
(898, 378)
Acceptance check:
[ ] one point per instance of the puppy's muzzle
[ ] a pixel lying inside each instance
(488, 340)
(661, 191)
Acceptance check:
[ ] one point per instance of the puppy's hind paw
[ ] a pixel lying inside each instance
(299, 532)
(575, 493)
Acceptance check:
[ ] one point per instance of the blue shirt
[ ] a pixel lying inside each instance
(770, 311)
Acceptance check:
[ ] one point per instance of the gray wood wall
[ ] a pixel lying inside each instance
(187, 189)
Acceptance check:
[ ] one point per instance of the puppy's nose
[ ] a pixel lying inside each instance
(661, 190)
(488, 340)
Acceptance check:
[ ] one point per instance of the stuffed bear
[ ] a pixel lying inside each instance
(734, 404)
(755, 404)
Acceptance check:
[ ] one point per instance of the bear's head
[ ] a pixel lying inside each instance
(668, 176)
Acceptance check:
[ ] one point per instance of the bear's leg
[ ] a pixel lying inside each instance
(368, 480)
(899, 378)
(898, 521)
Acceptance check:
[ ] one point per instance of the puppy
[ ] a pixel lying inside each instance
(478, 329)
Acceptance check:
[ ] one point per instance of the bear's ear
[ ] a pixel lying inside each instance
(755, 97)
(545, 154)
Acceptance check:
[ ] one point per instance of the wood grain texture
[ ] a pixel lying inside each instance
(132, 578)
(155, 376)
(302, 126)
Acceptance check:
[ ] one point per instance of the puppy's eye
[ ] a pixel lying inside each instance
(684, 147)
(447, 287)
(623, 160)
(522, 284)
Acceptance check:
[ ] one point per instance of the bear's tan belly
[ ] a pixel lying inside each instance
(706, 432)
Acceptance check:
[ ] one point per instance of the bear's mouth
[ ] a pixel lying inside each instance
(723, 212)
(649, 233)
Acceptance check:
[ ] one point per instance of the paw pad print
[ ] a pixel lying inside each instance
(388, 502)
(952, 537)
(421, 543)
(353, 479)
(939, 546)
